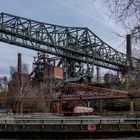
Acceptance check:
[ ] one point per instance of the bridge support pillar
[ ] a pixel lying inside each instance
(131, 106)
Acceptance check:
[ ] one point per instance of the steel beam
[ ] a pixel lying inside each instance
(77, 43)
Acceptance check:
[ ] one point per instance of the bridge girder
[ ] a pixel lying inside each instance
(75, 43)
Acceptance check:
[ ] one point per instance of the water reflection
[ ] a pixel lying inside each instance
(133, 138)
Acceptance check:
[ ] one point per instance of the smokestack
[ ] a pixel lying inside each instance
(128, 45)
(128, 49)
(19, 62)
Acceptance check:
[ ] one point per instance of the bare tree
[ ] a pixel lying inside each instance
(20, 84)
(41, 93)
(12, 70)
(3, 91)
(127, 13)
(25, 69)
(3, 84)
(28, 96)
(19, 88)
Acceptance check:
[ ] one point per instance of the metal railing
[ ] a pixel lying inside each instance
(69, 120)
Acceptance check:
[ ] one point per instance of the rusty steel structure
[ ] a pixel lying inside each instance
(97, 93)
(83, 92)
(45, 68)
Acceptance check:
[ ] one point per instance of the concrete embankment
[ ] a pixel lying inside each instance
(80, 127)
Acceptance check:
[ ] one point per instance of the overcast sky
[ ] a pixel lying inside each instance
(87, 13)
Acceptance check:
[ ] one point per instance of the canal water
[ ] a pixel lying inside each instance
(133, 138)
(119, 139)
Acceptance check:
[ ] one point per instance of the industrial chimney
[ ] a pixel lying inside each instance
(128, 48)
(19, 68)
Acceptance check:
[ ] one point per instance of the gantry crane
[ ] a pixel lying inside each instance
(79, 48)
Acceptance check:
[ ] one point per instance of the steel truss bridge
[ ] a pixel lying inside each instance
(79, 48)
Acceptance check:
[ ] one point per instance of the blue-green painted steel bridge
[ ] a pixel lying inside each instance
(77, 46)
